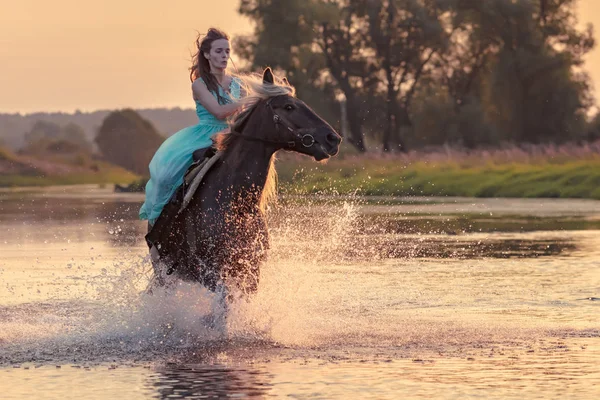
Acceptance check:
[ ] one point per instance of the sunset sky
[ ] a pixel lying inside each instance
(64, 55)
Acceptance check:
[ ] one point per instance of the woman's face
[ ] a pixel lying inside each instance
(219, 54)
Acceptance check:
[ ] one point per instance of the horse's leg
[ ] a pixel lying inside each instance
(205, 245)
(158, 268)
(216, 319)
(212, 280)
(174, 257)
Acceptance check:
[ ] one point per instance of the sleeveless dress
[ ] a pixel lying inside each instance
(174, 156)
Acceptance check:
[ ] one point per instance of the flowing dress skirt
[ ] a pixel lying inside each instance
(169, 164)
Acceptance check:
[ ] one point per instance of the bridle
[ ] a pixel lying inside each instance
(306, 140)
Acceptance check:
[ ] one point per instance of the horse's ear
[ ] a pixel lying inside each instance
(286, 81)
(268, 76)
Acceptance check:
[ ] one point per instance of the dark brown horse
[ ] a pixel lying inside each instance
(221, 237)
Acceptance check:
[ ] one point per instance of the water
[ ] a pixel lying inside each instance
(378, 298)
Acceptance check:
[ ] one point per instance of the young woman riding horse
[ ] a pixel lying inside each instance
(220, 238)
(215, 94)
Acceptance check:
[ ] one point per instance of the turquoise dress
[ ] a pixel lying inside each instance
(174, 156)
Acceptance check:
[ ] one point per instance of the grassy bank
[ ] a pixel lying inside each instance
(108, 177)
(556, 172)
(58, 169)
(566, 171)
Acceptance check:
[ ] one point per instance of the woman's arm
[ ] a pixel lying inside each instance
(208, 100)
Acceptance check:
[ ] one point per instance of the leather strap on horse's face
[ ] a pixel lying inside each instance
(307, 140)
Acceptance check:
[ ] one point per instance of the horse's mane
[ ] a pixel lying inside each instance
(254, 91)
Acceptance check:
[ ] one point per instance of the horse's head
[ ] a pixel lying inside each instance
(298, 127)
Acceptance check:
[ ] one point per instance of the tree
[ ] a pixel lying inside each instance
(50, 138)
(314, 43)
(405, 35)
(128, 140)
(75, 134)
(458, 74)
(593, 129)
(418, 72)
(512, 72)
(43, 130)
(532, 50)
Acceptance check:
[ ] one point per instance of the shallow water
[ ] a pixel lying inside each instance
(376, 298)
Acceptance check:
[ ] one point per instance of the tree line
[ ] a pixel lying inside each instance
(415, 73)
(395, 75)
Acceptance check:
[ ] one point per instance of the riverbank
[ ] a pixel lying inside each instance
(550, 172)
(59, 170)
(110, 176)
(538, 172)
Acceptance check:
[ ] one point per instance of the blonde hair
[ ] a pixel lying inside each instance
(255, 90)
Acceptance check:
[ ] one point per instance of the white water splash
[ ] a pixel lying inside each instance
(124, 320)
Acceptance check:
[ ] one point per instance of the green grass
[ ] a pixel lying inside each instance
(115, 175)
(393, 177)
(50, 170)
(544, 171)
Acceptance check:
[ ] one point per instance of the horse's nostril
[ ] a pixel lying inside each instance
(332, 138)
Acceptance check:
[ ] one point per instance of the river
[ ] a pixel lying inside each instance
(361, 298)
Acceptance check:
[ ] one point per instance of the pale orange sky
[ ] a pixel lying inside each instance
(63, 55)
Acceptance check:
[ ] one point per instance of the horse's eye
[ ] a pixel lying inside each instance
(288, 107)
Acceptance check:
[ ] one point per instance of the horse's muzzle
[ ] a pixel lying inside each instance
(332, 142)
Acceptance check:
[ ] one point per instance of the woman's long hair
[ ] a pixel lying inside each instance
(200, 65)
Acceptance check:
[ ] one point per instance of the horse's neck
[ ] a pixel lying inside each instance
(245, 168)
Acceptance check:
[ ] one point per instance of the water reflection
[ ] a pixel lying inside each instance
(66, 206)
(473, 223)
(209, 381)
(393, 246)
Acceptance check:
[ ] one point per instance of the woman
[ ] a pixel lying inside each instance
(215, 93)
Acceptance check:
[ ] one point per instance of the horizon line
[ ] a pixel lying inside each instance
(79, 111)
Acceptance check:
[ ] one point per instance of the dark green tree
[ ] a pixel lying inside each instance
(532, 49)
(43, 130)
(314, 42)
(128, 140)
(419, 72)
(405, 35)
(593, 129)
(75, 134)
(50, 138)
